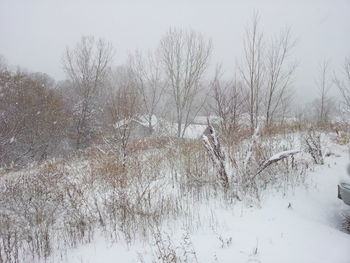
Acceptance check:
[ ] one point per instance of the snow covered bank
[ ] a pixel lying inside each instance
(301, 226)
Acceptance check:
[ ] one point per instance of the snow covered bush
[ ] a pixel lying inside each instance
(266, 162)
(166, 251)
(217, 155)
(63, 203)
(30, 204)
(313, 146)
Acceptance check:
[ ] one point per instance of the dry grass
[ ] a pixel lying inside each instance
(62, 203)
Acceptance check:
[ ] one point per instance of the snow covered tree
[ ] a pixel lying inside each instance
(217, 155)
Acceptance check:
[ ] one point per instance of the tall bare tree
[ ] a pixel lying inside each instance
(86, 66)
(343, 84)
(150, 83)
(123, 105)
(278, 74)
(252, 69)
(323, 103)
(185, 57)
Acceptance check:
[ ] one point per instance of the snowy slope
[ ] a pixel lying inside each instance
(300, 227)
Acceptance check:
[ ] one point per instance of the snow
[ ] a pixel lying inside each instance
(144, 120)
(275, 158)
(121, 123)
(301, 226)
(280, 155)
(164, 127)
(194, 131)
(250, 148)
(345, 178)
(203, 120)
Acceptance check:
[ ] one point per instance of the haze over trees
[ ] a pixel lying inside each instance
(42, 118)
(169, 140)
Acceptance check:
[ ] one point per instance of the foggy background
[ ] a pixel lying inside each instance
(34, 34)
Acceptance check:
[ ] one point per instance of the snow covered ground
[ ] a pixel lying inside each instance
(301, 226)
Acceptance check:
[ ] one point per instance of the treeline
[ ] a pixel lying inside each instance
(41, 118)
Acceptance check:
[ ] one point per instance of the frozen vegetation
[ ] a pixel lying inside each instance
(169, 205)
(168, 158)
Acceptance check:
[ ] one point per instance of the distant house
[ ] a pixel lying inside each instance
(139, 127)
(195, 131)
(203, 120)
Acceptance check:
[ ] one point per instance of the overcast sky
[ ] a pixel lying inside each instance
(34, 33)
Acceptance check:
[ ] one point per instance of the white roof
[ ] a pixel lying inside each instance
(162, 126)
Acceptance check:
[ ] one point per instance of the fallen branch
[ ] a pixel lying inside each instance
(275, 158)
(216, 154)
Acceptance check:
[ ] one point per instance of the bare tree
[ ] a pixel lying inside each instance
(278, 75)
(343, 84)
(122, 107)
(149, 82)
(8, 122)
(185, 57)
(86, 66)
(323, 103)
(33, 118)
(252, 69)
(228, 102)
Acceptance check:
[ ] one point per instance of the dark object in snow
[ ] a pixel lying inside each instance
(344, 192)
(346, 222)
(344, 188)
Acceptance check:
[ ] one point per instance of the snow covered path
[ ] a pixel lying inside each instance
(301, 227)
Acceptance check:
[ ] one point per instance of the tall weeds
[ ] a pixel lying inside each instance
(63, 203)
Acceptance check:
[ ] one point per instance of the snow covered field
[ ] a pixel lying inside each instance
(174, 133)
(300, 226)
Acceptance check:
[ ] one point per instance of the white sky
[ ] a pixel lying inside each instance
(34, 33)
